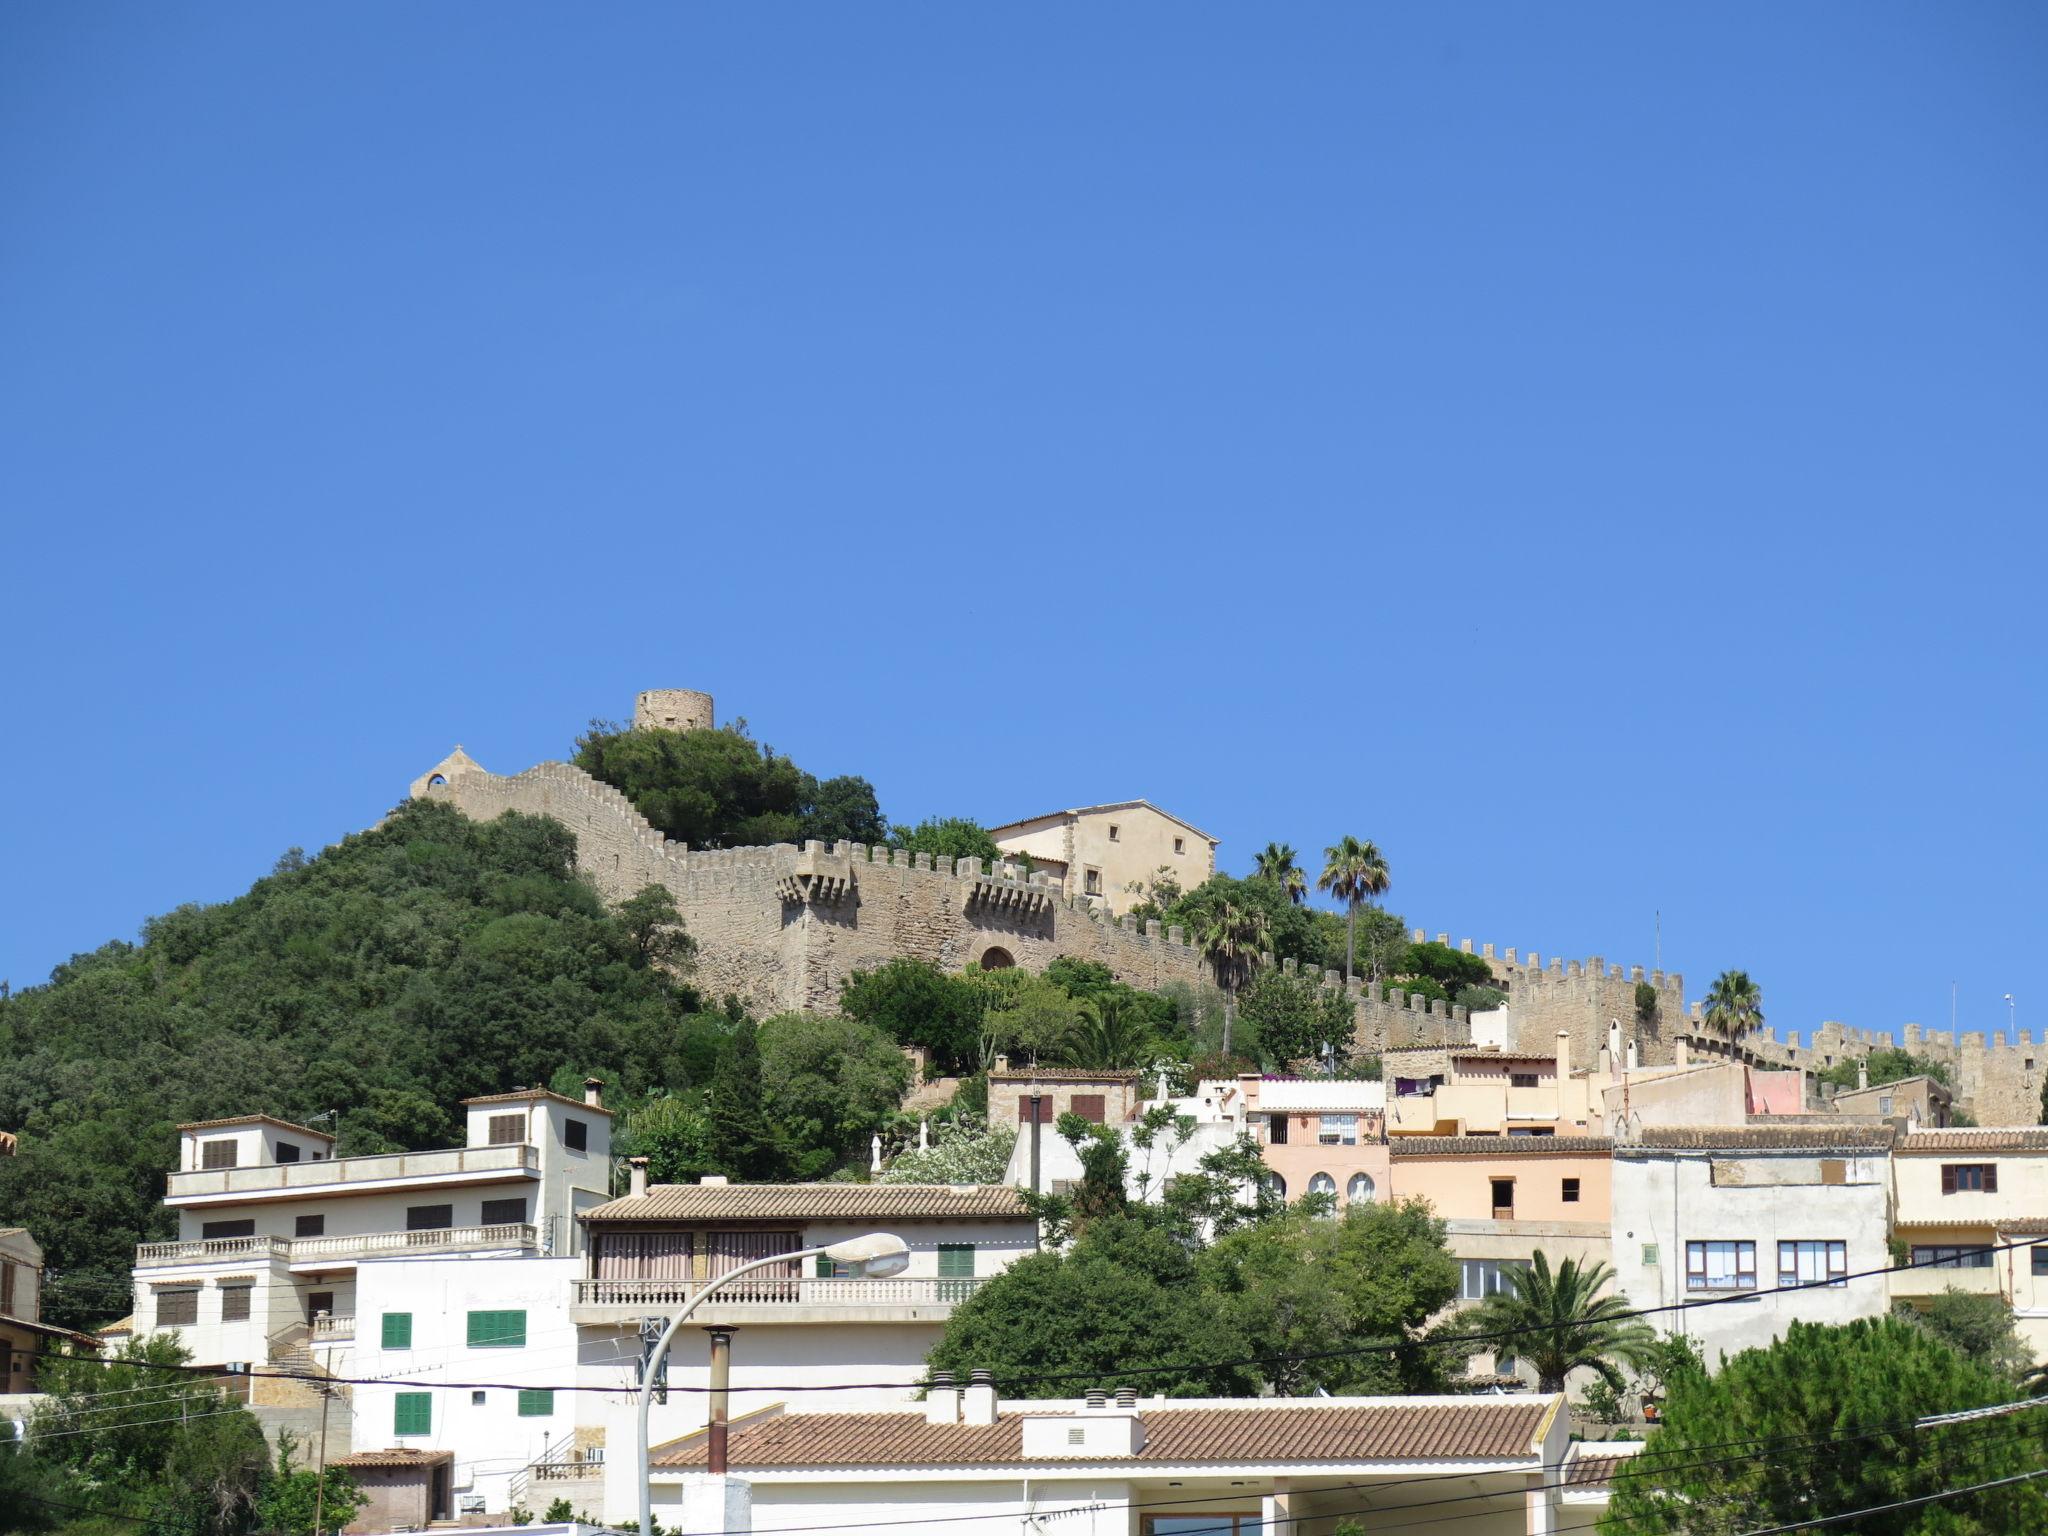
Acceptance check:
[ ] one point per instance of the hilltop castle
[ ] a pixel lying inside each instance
(783, 926)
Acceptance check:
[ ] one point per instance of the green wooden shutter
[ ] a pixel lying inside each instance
(413, 1413)
(497, 1330)
(398, 1330)
(822, 1267)
(536, 1402)
(956, 1261)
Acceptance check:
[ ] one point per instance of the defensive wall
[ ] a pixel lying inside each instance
(783, 926)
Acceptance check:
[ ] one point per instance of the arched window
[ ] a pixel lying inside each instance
(1361, 1190)
(438, 778)
(1277, 1185)
(998, 960)
(1323, 1184)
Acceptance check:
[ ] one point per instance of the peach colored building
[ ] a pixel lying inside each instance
(1503, 1198)
(1319, 1135)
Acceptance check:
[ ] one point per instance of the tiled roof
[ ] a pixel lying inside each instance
(1588, 1466)
(1494, 1053)
(1497, 1146)
(282, 1125)
(119, 1325)
(806, 1202)
(529, 1095)
(1084, 810)
(396, 1457)
(1063, 1075)
(1388, 1429)
(1992, 1138)
(1766, 1138)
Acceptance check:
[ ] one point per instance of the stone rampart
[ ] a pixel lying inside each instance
(783, 926)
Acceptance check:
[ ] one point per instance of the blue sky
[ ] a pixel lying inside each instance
(1595, 451)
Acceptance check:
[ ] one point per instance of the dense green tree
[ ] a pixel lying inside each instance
(916, 1003)
(1565, 1324)
(1451, 969)
(742, 1139)
(406, 968)
(964, 1150)
(841, 810)
(1735, 1004)
(1887, 1065)
(291, 1497)
(1977, 1327)
(1305, 1288)
(1028, 1016)
(1276, 863)
(1833, 1409)
(947, 837)
(708, 788)
(1354, 872)
(1134, 1286)
(674, 1135)
(1295, 1016)
(656, 929)
(829, 1083)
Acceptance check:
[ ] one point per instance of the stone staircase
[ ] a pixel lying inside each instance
(282, 1398)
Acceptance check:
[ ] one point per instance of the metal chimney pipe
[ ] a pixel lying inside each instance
(721, 1382)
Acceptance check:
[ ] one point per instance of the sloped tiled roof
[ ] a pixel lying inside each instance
(1384, 1430)
(1496, 1146)
(529, 1095)
(1766, 1138)
(1088, 810)
(1589, 1466)
(283, 1125)
(1063, 1075)
(812, 1202)
(1992, 1138)
(396, 1457)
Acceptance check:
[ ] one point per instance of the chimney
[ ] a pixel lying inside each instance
(1564, 1057)
(593, 1092)
(1631, 1053)
(942, 1400)
(721, 1400)
(714, 1179)
(1127, 1397)
(1682, 1051)
(1098, 1397)
(1862, 1073)
(1002, 1063)
(978, 1402)
(637, 1188)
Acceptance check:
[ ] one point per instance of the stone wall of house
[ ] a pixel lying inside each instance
(783, 926)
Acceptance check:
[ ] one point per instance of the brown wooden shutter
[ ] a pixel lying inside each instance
(508, 1130)
(1089, 1106)
(218, 1153)
(1948, 1178)
(177, 1309)
(1834, 1170)
(1991, 1178)
(234, 1303)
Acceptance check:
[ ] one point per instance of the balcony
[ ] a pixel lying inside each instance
(329, 1329)
(908, 1299)
(1927, 1281)
(325, 1252)
(355, 1175)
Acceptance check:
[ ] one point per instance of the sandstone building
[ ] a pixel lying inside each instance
(1106, 854)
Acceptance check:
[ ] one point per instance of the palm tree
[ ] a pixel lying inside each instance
(1562, 1324)
(1112, 1036)
(1232, 938)
(1735, 1005)
(1277, 865)
(1353, 872)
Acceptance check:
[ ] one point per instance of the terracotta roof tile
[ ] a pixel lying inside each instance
(1587, 1467)
(1063, 1075)
(1496, 1146)
(1992, 1138)
(807, 1202)
(1331, 1430)
(529, 1095)
(283, 1125)
(1766, 1138)
(397, 1456)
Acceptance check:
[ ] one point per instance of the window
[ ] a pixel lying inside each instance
(1521, 1079)
(1952, 1258)
(398, 1330)
(1323, 1184)
(412, 1413)
(309, 1226)
(1091, 882)
(1180, 845)
(2040, 1254)
(1834, 1170)
(1077, 1435)
(1090, 1107)
(6, 1287)
(1115, 833)
(1489, 1277)
(429, 1218)
(1571, 1192)
(1338, 1130)
(234, 1303)
(956, 1271)
(1884, 1104)
(1360, 1190)
(1276, 1186)
(478, 1398)
(221, 1152)
(505, 1213)
(536, 1402)
(576, 1135)
(287, 1152)
(1812, 1263)
(1503, 1199)
(829, 1268)
(214, 1231)
(1720, 1266)
(1044, 1109)
(1202, 1525)
(508, 1130)
(1650, 1254)
(1965, 1178)
(1276, 1130)
(497, 1330)
(177, 1309)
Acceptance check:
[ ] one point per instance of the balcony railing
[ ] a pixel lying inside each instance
(1934, 1279)
(329, 1329)
(755, 1291)
(335, 1172)
(360, 1245)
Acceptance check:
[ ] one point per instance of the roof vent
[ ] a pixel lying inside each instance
(714, 1178)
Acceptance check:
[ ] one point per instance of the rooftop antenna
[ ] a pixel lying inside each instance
(1658, 957)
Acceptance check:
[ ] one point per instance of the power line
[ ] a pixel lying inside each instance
(1880, 1509)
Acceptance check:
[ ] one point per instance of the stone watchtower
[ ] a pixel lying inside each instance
(672, 709)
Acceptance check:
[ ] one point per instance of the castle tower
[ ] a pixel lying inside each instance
(672, 709)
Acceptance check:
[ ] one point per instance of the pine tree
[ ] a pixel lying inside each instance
(742, 1141)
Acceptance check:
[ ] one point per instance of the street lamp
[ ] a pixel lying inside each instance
(873, 1257)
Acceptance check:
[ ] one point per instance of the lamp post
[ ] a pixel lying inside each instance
(873, 1257)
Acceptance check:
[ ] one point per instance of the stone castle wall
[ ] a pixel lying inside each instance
(783, 926)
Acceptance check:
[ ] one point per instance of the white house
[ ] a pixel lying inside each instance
(1121, 1466)
(865, 1340)
(1719, 1214)
(1971, 1209)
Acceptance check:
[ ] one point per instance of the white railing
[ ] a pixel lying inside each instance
(332, 1172)
(755, 1291)
(296, 1250)
(328, 1328)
